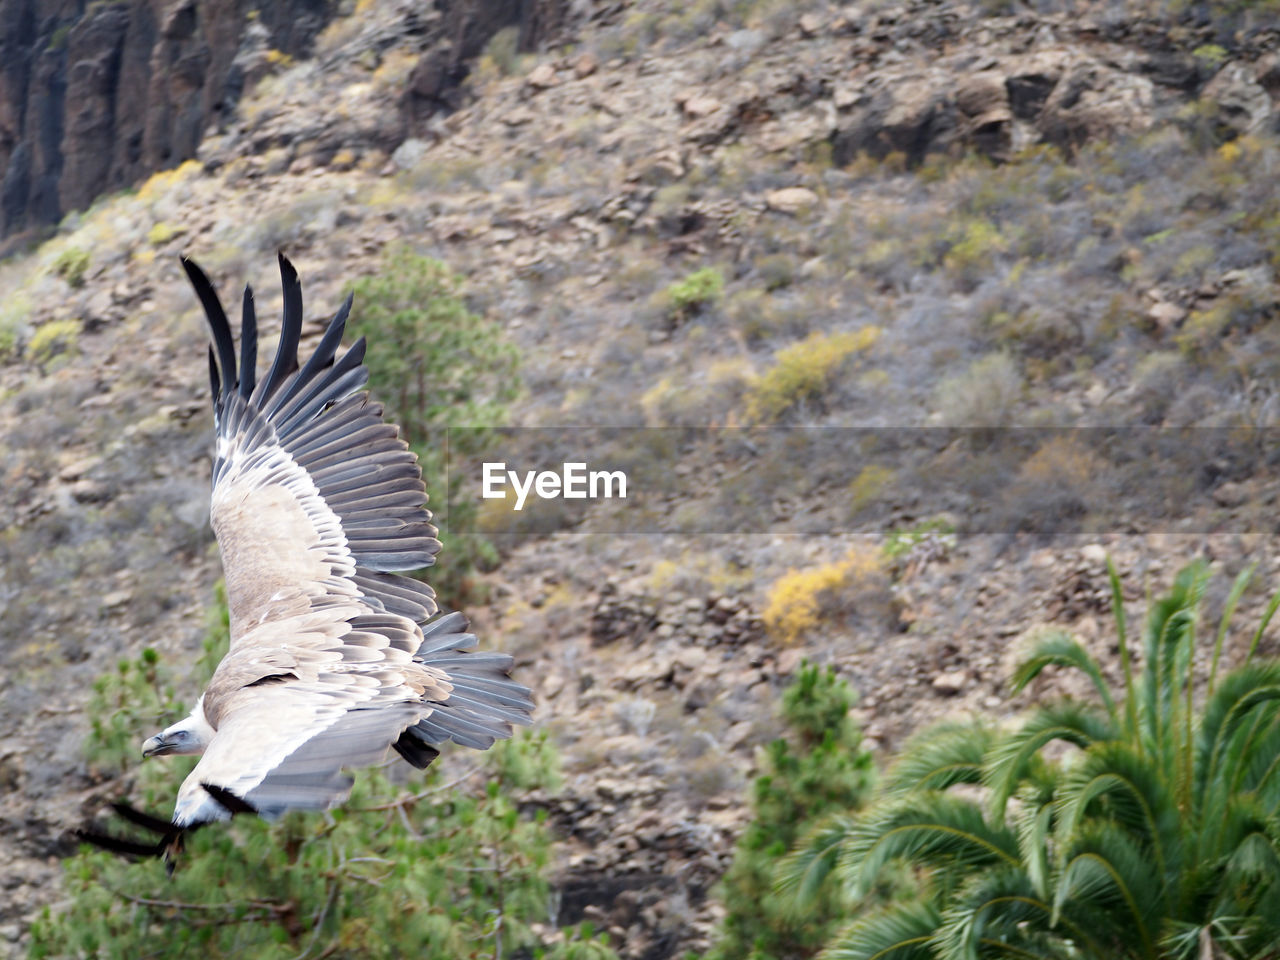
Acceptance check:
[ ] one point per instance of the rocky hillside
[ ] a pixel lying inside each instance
(928, 213)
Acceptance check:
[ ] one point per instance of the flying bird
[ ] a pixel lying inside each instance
(318, 505)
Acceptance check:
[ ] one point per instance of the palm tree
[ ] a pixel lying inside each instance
(1155, 834)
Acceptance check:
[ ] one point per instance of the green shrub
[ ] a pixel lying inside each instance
(71, 265)
(802, 600)
(1153, 836)
(777, 270)
(436, 365)
(820, 767)
(694, 293)
(985, 395)
(501, 55)
(53, 339)
(162, 232)
(976, 245)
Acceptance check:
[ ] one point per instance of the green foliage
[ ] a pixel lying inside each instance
(903, 540)
(435, 364)
(71, 265)
(53, 339)
(985, 395)
(821, 767)
(428, 869)
(777, 271)
(694, 293)
(138, 695)
(976, 244)
(502, 53)
(1156, 838)
(1211, 55)
(58, 39)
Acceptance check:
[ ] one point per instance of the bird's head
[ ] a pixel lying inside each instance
(190, 735)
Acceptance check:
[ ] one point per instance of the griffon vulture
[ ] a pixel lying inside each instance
(317, 503)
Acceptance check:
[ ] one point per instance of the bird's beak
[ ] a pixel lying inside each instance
(156, 746)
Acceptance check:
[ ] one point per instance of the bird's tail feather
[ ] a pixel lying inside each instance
(484, 702)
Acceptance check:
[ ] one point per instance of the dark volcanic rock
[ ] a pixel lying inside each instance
(92, 101)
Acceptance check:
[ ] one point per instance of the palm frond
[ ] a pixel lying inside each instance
(896, 933)
(1035, 825)
(1106, 877)
(1122, 639)
(941, 757)
(1168, 639)
(1115, 782)
(1250, 692)
(998, 913)
(1058, 648)
(1255, 858)
(1219, 936)
(1010, 759)
(930, 829)
(1262, 627)
(1258, 763)
(1228, 611)
(802, 873)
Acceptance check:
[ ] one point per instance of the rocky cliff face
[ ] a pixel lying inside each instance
(93, 97)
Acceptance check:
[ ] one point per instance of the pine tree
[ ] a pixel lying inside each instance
(819, 768)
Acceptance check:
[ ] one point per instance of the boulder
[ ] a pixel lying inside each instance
(1242, 105)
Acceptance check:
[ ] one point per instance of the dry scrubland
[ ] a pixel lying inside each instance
(662, 219)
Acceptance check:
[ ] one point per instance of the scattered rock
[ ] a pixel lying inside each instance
(1093, 101)
(116, 598)
(789, 661)
(810, 24)
(78, 468)
(542, 77)
(1093, 553)
(700, 105)
(410, 153)
(745, 41)
(1166, 315)
(951, 683)
(1229, 493)
(791, 200)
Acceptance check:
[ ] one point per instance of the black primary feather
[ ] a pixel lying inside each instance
(248, 344)
(323, 356)
(286, 359)
(217, 318)
(228, 800)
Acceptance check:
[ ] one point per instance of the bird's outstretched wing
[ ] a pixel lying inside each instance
(312, 490)
(317, 503)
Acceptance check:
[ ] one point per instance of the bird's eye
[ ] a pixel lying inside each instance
(179, 735)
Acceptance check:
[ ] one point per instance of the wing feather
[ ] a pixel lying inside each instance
(248, 344)
(286, 359)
